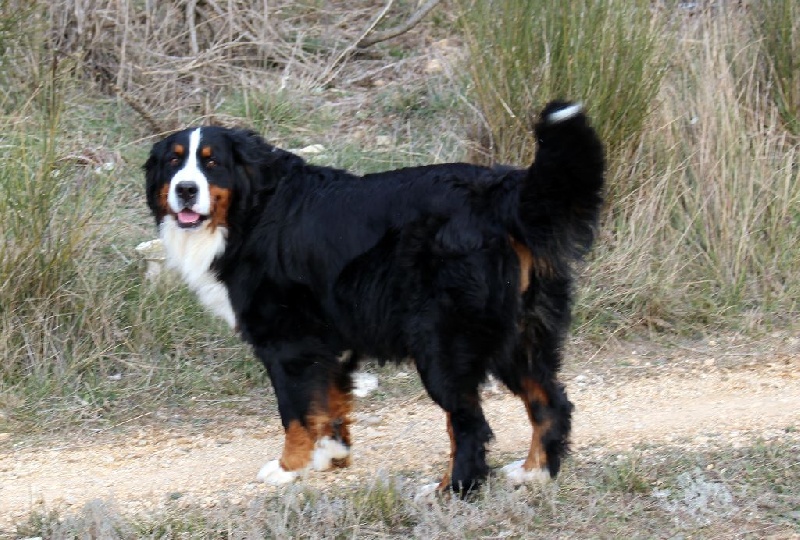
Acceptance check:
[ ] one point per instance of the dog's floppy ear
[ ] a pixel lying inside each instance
(152, 171)
(251, 152)
(263, 164)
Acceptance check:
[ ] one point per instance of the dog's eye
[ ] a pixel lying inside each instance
(175, 161)
(211, 163)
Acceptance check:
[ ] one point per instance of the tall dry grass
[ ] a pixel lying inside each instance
(700, 233)
(179, 61)
(525, 53)
(709, 240)
(80, 333)
(777, 26)
(702, 211)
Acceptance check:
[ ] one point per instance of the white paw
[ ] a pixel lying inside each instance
(364, 384)
(426, 493)
(325, 451)
(272, 473)
(516, 474)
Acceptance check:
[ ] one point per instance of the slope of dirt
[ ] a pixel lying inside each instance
(699, 399)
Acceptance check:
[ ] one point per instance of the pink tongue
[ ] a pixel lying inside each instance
(187, 216)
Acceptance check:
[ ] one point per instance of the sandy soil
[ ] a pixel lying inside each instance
(720, 394)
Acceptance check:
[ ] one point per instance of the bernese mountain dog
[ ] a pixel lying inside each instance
(463, 269)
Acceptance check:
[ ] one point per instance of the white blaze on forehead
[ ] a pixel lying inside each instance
(190, 172)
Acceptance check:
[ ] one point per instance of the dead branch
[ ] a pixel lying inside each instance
(191, 7)
(412, 21)
(134, 103)
(367, 39)
(333, 69)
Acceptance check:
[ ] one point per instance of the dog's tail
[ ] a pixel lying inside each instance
(560, 199)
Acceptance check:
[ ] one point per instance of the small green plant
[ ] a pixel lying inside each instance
(277, 113)
(382, 501)
(626, 474)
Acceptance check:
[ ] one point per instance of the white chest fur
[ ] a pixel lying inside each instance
(191, 254)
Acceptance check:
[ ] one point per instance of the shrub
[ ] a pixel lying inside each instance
(525, 53)
(777, 24)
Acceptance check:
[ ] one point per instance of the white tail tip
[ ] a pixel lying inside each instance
(565, 114)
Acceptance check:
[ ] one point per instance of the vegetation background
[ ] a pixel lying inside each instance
(698, 103)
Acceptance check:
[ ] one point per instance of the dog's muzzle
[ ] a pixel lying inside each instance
(186, 193)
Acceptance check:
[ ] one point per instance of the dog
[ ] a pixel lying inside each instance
(464, 269)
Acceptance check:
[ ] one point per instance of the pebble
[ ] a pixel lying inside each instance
(369, 419)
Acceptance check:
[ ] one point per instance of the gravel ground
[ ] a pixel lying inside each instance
(719, 393)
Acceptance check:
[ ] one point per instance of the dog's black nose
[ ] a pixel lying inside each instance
(187, 192)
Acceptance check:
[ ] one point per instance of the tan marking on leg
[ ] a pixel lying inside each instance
(220, 203)
(340, 405)
(528, 263)
(525, 258)
(537, 456)
(446, 479)
(297, 447)
(534, 392)
(333, 420)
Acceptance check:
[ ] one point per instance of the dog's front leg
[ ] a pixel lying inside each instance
(315, 401)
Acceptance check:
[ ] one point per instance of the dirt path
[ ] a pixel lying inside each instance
(700, 402)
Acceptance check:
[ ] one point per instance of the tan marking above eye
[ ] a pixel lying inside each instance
(179, 149)
(205, 152)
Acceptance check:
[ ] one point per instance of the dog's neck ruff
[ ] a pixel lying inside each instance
(191, 253)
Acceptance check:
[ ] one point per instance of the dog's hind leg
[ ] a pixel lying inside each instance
(549, 412)
(531, 373)
(467, 428)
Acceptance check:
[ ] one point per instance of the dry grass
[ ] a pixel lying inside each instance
(84, 341)
(706, 241)
(777, 26)
(701, 237)
(177, 62)
(646, 493)
(604, 54)
(703, 179)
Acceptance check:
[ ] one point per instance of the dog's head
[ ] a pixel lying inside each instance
(199, 176)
